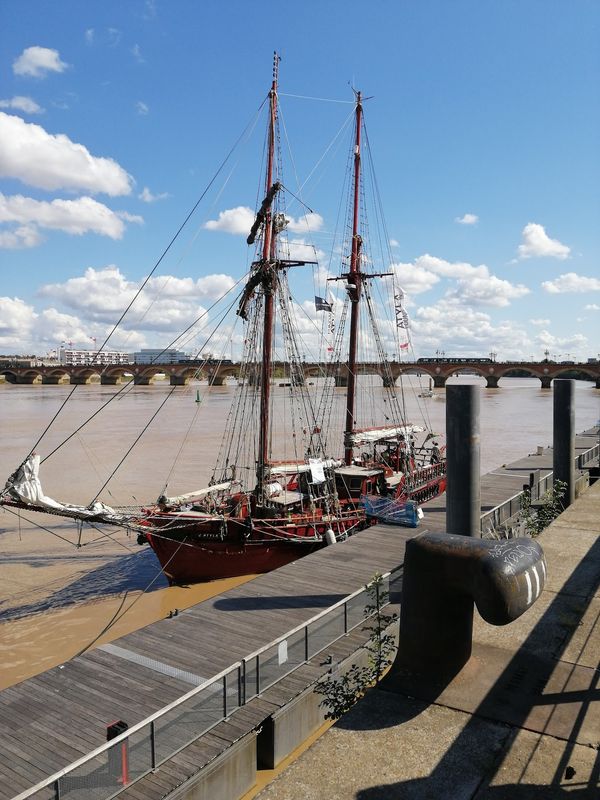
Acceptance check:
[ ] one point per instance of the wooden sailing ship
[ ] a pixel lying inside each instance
(261, 510)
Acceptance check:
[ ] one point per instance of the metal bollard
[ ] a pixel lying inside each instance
(563, 461)
(444, 577)
(463, 492)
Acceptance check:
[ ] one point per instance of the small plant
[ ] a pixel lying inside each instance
(341, 693)
(537, 518)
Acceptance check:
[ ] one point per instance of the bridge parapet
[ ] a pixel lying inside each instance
(217, 373)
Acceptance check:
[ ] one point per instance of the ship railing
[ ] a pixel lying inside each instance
(114, 766)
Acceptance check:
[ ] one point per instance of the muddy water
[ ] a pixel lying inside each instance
(62, 591)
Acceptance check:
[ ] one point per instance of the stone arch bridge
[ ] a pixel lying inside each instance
(217, 374)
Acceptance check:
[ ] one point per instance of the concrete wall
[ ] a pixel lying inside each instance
(228, 777)
(290, 726)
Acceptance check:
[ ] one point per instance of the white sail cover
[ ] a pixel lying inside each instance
(370, 435)
(295, 469)
(197, 495)
(25, 486)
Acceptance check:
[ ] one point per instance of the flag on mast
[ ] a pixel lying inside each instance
(401, 315)
(322, 305)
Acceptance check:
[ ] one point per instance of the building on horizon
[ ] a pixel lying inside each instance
(159, 356)
(87, 358)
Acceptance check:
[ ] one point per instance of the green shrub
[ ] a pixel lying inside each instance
(342, 692)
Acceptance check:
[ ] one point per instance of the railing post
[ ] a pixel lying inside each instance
(306, 643)
(345, 618)
(225, 695)
(242, 682)
(257, 675)
(463, 493)
(153, 745)
(564, 437)
(57, 789)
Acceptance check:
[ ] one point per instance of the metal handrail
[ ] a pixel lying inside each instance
(581, 461)
(238, 666)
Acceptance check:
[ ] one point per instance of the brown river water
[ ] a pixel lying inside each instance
(57, 599)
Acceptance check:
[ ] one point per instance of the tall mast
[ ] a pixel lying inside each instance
(354, 278)
(268, 284)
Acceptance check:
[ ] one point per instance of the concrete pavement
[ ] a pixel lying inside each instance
(520, 722)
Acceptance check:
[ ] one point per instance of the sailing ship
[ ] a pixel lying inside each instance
(271, 501)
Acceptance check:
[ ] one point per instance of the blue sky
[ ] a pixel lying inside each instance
(484, 127)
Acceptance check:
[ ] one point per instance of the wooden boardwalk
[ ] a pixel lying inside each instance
(53, 719)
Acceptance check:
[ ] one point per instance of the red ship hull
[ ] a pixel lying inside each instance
(198, 553)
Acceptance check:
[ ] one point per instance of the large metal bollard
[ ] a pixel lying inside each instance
(563, 461)
(463, 493)
(444, 577)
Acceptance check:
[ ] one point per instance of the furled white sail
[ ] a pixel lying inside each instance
(295, 469)
(25, 485)
(370, 435)
(189, 497)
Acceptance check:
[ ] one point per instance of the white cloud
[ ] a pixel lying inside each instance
(99, 293)
(24, 104)
(167, 303)
(137, 54)
(487, 291)
(414, 278)
(394, 243)
(467, 219)
(237, 221)
(212, 286)
(466, 330)
(20, 238)
(308, 222)
(35, 157)
(451, 269)
(130, 217)
(89, 36)
(537, 244)
(23, 329)
(565, 344)
(16, 319)
(147, 196)
(592, 307)
(571, 282)
(539, 322)
(76, 217)
(300, 250)
(141, 108)
(37, 62)
(475, 284)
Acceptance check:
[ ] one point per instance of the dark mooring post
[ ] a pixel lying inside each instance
(463, 492)
(444, 577)
(564, 437)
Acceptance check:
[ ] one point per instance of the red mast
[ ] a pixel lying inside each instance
(268, 278)
(354, 278)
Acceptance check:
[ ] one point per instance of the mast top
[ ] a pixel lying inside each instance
(276, 60)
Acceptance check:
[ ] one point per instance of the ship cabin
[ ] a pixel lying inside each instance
(352, 482)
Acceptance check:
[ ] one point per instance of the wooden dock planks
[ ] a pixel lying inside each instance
(52, 719)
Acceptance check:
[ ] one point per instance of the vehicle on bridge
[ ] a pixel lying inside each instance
(458, 360)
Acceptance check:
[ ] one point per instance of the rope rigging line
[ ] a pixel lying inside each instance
(156, 265)
(119, 613)
(138, 437)
(127, 387)
(321, 99)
